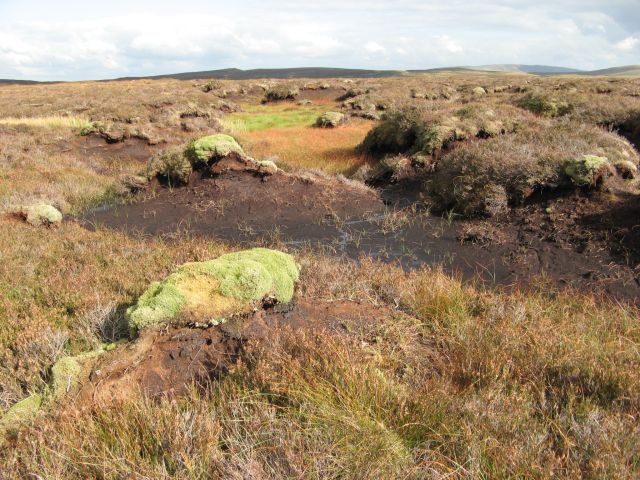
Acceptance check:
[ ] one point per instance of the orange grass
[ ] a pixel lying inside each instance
(330, 150)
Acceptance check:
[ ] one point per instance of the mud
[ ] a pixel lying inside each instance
(579, 241)
(93, 146)
(173, 360)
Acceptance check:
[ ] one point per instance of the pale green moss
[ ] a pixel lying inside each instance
(251, 274)
(66, 372)
(42, 214)
(213, 147)
(158, 304)
(267, 167)
(542, 105)
(330, 119)
(586, 170)
(20, 413)
(217, 287)
(65, 375)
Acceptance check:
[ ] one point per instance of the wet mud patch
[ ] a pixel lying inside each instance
(341, 219)
(320, 96)
(170, 361)
(131, 150)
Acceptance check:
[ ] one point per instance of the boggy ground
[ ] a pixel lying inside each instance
(171, 361)
(558, 239)
(447, 379)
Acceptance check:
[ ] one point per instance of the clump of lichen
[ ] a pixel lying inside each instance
(267, 167)
(281, 92)
(65, 375)
(588, 170)
(330, 119)
(20, 413)
(543, 105)
(42, 214)
(94, 127)
(211, 291)
(205, 150)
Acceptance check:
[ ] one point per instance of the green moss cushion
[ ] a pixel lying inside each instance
(585, 170)
(213, 147)
(43, 214)
(214, 290)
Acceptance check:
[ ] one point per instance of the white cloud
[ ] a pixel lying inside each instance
(374, 47)
(628, 44)
(448, 44)
(60, 40)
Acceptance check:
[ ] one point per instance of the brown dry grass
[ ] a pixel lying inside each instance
(331, 150)
(457, 382)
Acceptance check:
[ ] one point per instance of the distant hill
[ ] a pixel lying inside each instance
(255, 74)
(323, 72)
(19, 82)
(628, 70)
(532, 69)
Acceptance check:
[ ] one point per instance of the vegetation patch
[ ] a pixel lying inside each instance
(49, 121)
(544, 105)
(330, 120)
(41, 214)
(327, 149)
(281, 92)
(587, 170)
(416, 131)
(203, 151)
(479, 177)
(209, 292)
(263, 117)
(171, 165)
(19, 414)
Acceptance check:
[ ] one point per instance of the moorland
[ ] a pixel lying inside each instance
(417, 276)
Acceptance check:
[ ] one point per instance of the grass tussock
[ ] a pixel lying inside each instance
(457, 382)
(52, 121)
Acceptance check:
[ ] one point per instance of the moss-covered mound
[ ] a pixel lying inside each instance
(479, 92)
(172, 166)
(210, 292)
(587, 170)
(267, 167)
(20, 413)
(480, 178)
(330, 119)
(414, 131)
(65, 375)
(205, 150)
(42, 214)
(281, 92)
(544, 105)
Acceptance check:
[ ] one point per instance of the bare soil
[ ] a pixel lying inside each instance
(94, 146)
(173, 360)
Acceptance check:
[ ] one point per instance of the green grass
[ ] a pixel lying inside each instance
(262, 117)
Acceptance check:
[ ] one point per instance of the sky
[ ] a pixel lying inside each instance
(79, 40)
